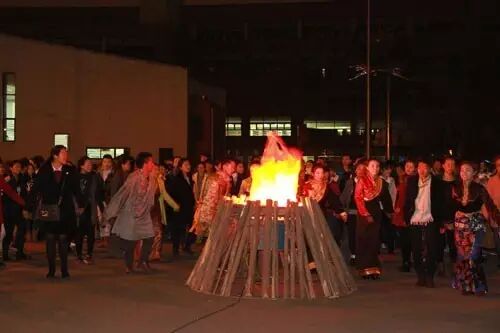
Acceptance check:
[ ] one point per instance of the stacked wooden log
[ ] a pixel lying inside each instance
(266, 251)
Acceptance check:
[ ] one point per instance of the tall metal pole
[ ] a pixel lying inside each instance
(368, 83)
(388, 122)
(212, 152)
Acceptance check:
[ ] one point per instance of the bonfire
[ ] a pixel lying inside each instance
(262, 245)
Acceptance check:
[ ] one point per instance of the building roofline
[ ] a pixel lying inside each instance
(91, 52)
(68, 3)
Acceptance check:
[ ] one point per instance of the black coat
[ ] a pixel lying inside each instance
(436, 199)
(380, 205)
(48, 190)
(90, 195)
(330, 203)
(182, 193)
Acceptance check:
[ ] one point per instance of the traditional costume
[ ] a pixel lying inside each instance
(329, 203)
(131, 209)
(217, 187)
(373, 200)
(473, 203)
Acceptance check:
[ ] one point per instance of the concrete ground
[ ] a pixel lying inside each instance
(101, 298)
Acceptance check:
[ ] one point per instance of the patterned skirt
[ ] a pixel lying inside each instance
(469, 274)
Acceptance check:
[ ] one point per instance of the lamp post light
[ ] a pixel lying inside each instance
(362, 70)
(367, 68)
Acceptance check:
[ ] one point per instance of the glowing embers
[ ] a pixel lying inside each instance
(277, 177)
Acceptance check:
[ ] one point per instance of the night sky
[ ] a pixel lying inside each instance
(449, 49)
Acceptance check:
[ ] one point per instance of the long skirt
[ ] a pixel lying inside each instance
(157, 230)
(469, 273)
(367, 246)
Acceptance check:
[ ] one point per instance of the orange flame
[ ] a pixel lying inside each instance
(277, 177)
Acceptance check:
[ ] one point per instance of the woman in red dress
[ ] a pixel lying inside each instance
(372, 200)
(398, 219)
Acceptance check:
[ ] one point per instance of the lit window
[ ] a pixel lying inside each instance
(261, 126)
(361, 129)
(233, 126)
(99, 152)
(338, 125)
(61, 139)
(9, 107)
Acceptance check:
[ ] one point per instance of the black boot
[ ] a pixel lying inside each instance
(405, 268)
(421, 280)
(429, 281)
(5, 253)
(187, 249)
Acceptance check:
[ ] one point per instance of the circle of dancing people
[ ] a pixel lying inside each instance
(130, 204)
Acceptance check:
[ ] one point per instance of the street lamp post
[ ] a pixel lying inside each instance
(388, 122)
(368, 115)
(390, 72)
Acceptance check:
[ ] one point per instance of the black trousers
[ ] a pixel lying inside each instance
(448, 238)
(181, 236)
(367, 246)
(405, 243)
(425, 247)
(339, 227)
(10, 224)
(388, 233)
(496, 239)
(85, 228)
(128, 248)
(351, 232)
(336, 228)
(60, 242)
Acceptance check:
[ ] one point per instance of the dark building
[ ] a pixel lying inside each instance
(286, 65)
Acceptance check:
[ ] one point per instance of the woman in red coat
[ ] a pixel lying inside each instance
(398, 218)
(5, 189)
(373, 201)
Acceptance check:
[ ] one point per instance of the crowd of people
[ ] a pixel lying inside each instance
(425, 209)
(125, 202)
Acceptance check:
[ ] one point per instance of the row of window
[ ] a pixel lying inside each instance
(260, 126)
(92, 152)
(282, 126)
(8, 106)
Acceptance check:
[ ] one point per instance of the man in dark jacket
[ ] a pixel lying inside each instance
(180, 188)
(422, 213)
(89, 198)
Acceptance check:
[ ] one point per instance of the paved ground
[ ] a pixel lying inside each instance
(101, 298)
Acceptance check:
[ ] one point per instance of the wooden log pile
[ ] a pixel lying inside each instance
(245, 256)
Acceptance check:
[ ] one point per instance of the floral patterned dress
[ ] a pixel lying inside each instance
(217, 186)
(470, 228)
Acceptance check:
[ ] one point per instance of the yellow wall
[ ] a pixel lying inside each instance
(100, 100)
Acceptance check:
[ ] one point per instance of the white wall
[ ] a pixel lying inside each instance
(99, 100)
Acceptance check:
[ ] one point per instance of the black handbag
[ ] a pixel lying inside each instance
(50, 212)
